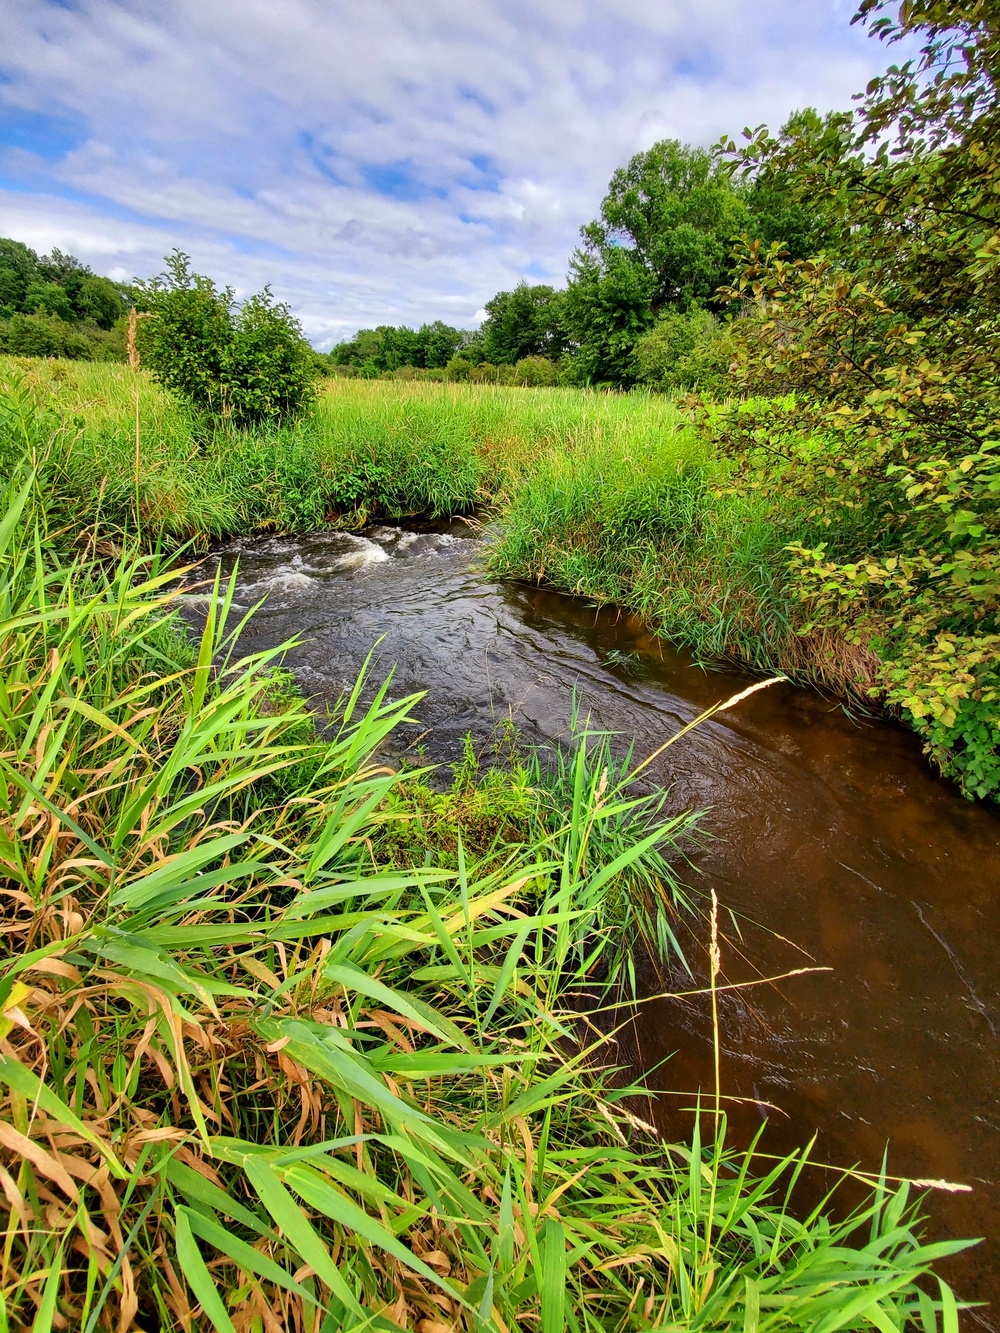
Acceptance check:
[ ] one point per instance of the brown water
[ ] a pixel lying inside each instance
(832, 843)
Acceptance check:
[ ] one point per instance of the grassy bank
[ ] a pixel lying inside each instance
(772, 543)
(113, 443)
(263, 1065)
(651, 525)
(747, 537)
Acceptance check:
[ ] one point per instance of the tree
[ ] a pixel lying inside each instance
(438, 343)
(48, 298)
(608, 307)
(524, 322)
(97, 299)
(35, 290)
(891, 338)
(662, 241)
(673, 211)
(390, 347)
(243, 364)
(684, 350)
(779, 211)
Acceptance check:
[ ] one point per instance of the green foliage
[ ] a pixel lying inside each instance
(48, 335)
(389, 348)
(608, 308)
(241, 365)
(253, 1073)
(662, 242)
(535, 372)
(671, 211)
(458, 370)
(48, 298)
(890, 342)
(685, 350)
(489, 808)
(526, 322)
(54, 306)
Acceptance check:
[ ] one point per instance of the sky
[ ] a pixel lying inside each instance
(377, 161)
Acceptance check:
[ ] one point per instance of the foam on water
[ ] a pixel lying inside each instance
(284, 579)
(368, 553)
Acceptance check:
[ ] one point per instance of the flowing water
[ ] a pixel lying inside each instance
(833, 846)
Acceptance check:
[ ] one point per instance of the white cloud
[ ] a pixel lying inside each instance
(385, 162)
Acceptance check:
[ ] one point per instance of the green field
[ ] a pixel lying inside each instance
(120, 442)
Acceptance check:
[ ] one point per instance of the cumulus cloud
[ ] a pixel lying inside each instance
(390, 162)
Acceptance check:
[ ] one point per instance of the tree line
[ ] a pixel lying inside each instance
(54, 305)
(641, 303)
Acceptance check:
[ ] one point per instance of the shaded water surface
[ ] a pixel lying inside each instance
(829, 834)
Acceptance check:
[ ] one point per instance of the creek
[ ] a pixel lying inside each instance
(832, 845)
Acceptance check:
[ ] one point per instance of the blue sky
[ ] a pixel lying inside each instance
(379, 161)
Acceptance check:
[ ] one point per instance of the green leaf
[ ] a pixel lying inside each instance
(553, 1284)
(197, 1276)
(244, 1255)
(298, 1230)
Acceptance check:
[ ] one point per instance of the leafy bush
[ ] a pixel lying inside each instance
(487, 373)
(48, 335)
(536, 372)
(685, 350)
(890, 343)
(458, 369)
(242, 364)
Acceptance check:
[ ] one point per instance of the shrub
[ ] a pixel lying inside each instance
(458, 369)
(43, 335)
(685, 350)
(244, 364)
(535, 372)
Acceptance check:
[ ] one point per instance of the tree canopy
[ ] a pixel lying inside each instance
(390, 347)
(525, 322)
(663, 242)
(53, 305)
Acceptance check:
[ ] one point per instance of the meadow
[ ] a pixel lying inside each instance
(122, 444)
(609, 496)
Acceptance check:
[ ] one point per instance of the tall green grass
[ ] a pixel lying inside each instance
(122, 448)
(609, 496)
(254, 1074)
(613, 497)
(650, 524)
